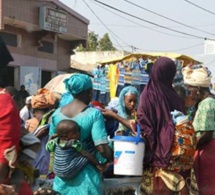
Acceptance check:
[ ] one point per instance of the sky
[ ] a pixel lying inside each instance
(138, 33)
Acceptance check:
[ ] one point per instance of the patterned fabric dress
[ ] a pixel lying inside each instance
(204, 121)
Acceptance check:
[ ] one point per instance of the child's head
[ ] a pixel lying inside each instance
(68, 129)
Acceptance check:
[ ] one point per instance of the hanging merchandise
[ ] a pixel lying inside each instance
(135, 74)
(113, 80)
(96, 83)
(134, 69)
(144, 75)
(127, 73)
(121, 77)
(102, 87)
(107, 76)
(178, 79)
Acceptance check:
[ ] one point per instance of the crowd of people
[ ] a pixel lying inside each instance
(70, 141)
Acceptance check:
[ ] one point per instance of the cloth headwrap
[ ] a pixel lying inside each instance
(43, 99)
(199, 77)
(126, 91)
(28, 100)
(78, 83)
(66, 98)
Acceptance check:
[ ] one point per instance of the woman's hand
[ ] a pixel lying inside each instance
(7, 190)
(204, 139)
(103, 167)
(108, 113)
(133, 126)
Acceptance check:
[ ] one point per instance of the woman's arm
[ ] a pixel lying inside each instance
(99, 136)
(204, 139)
(110, 113)
(105, 151)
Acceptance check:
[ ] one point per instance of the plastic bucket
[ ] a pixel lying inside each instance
(128, 154)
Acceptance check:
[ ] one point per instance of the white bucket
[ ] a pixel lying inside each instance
(128, 155)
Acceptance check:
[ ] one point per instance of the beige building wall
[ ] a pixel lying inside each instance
(87, 61)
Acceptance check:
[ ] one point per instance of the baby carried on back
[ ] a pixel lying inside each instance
(71, 155)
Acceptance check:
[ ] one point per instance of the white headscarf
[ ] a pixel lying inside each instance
(199, 77)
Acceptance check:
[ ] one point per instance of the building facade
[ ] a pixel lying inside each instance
(41, 35)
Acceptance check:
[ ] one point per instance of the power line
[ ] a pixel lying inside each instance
(133, 26)
(148, 28)
(174, 50)
(105, 25)
(101, 21)
(155, 24)
(167, 18)
(189, 47)
(202, 8)
(113, 44)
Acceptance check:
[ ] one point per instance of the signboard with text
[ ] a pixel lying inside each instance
(51, 19)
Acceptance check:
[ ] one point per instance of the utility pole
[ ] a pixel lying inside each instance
(133, 49)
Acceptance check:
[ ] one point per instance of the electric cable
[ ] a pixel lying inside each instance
(106, 26)
(148, 28)
(188, 26)
(152, 23)
(199, 7)
(173, 50)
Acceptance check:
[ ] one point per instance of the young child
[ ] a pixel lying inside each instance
(69, 151)
(184, 144)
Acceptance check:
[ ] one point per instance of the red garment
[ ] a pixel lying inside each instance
(10, 131)
(204, 168)
(25, 189)
(9, 125)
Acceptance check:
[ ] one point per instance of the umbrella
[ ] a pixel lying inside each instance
(56, 84)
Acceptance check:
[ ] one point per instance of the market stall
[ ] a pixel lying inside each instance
(112, 75)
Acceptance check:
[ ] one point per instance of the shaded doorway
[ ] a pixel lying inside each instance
(7, 76)
(46, 77)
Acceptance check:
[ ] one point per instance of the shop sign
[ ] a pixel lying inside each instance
(53, 19)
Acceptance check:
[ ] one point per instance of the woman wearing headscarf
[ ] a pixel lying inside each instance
(92, 129)
(43, 107)
(198, 82)
(156, 102)
(126, 113)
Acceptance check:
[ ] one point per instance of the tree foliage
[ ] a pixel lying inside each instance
(105, 43)
(80, 48)
(92, 41)
(95, 44)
